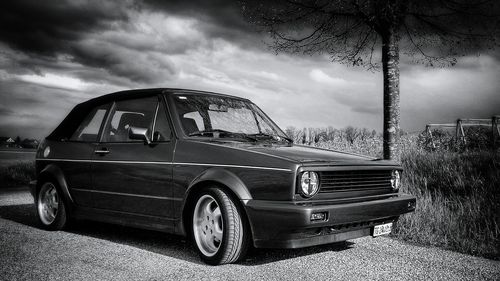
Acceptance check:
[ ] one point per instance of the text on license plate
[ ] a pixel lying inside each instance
(382, 229)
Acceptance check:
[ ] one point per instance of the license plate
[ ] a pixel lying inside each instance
(382, 229)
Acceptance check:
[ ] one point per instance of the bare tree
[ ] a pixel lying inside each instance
(351, 134)
(364, 134)
(433, 32)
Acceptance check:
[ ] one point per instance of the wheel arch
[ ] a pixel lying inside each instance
(53, 173)
(223, 179)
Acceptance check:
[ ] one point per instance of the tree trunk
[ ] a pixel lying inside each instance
(390, 65)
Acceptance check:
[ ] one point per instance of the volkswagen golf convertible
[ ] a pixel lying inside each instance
(211, 167)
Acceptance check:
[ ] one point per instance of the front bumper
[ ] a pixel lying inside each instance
(278, 224)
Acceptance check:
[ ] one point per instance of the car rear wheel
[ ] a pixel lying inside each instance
(218, 227)
(50, 207)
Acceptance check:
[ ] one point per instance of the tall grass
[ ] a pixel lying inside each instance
(17, 174)
(458, 201)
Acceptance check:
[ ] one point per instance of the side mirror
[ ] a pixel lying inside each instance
(137, 133)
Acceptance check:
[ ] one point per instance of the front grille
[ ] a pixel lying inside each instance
(333, 181)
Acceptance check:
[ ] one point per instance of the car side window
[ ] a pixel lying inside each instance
(88, 130)
(138, 113)
(162, 131)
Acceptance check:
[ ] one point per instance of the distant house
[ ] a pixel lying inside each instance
(29, 143)
(7, 142)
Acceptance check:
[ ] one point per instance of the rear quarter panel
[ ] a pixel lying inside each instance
(73, 159)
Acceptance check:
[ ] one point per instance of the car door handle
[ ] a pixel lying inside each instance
(101, 151)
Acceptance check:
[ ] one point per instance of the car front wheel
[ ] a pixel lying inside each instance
(50, 207)
(219, 229)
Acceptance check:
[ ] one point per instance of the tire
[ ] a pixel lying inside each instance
(50, 207)
(219, 229)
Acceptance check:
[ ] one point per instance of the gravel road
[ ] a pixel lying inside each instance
(94, 251)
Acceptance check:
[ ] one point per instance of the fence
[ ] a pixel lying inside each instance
(460, 135)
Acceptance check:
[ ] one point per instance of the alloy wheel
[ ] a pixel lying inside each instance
(48, 203)
(208, 225)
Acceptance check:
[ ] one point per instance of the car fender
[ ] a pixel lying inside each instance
(213, 175)
(54, 172)
(225, 177)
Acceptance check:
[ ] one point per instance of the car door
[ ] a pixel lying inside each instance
(130, 175)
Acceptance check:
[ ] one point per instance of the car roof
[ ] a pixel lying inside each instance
(138, 93)
(75, 117)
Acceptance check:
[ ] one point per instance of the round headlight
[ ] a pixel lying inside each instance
(395, 180)
(309, 184)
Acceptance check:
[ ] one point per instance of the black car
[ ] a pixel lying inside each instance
(212, 167)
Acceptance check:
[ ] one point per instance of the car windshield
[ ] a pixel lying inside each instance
(224, 117)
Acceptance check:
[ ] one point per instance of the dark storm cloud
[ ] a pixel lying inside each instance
(223, 12)
(221, 19)
(32, 110)
(46, 27)
(137, 66)
(16, 62)
(6, 111)
(43, 33)
(48, 35)
(53, 27)
(18, 96)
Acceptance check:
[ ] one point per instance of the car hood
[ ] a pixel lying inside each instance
(307, 154)
(299, 153)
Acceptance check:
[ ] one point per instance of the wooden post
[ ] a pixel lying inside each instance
(494, 131)
(463, 133)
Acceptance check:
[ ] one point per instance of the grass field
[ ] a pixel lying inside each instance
(17, 167)
(9, 157)
(18, 173)
(458, 191)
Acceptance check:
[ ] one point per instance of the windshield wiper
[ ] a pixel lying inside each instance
(273, 137)
(222, 133)
(203, 132)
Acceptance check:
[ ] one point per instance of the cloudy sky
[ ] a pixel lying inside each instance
(59, 53)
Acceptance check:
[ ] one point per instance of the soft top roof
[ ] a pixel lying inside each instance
(80, 111)
(138, 93)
